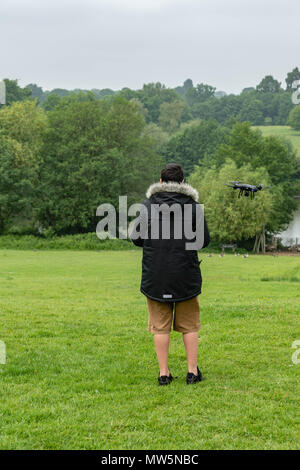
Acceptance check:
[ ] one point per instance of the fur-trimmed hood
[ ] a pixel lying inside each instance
(173, 187)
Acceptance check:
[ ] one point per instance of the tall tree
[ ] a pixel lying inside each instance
(36, 91)
(171, 115)
(181, 90)
(246, 146)
(269, 85)
(291, 78)
(194, 145)
(94, 152)
(22, 129)
(25, 123)
(15, 93)
(230, 218)
(153, 95)
(198, 94)
(18, 179)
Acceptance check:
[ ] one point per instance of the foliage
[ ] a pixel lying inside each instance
(291, 78)
(64, 152)
(284, 132)
(93, 152)
(194, 144)
(267, 103)
(16, 183)
(25, 123)
(247, 146)
(268, 85)
(157, 135)
(16, 93)
(51, 101)
(83, 241)
(231, 218)
(36, 92)
(22, 128)
(152, 96)
(294, 118)
(198, 94)
(170, 115)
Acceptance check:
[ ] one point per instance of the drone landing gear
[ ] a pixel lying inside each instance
(246, 193)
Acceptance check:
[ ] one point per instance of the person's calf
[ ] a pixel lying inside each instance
(162, 342)
(191, 346)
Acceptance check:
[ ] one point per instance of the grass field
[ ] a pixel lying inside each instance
(283, 131)
(81, 370)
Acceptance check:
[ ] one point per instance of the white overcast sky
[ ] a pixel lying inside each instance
(230, 44)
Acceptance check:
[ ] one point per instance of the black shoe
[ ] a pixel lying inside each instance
(165, 379)
(192, 378)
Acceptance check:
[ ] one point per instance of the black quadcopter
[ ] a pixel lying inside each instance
(246, 189)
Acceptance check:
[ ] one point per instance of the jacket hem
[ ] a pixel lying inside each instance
(182, 299)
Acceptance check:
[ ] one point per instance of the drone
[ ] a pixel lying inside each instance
(246, 189)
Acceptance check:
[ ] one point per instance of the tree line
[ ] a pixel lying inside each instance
(268, 103)
(63, 156)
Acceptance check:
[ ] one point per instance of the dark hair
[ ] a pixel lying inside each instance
(172, 172)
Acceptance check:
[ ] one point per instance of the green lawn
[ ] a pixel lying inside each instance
(283, 131)
(81, 370)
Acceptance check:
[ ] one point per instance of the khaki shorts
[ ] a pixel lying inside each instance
(186, 316)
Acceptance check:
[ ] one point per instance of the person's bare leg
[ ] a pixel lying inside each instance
(162, 351)
(191, 346)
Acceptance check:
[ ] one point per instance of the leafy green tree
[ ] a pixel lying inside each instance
(170, 115)
(94, 152)
(199, 94)
(22, 129)
(36, 91)
(129, 94)
(246, 146)
(15, 93)
(231, 219)
(103, 93)
(25, 123)
(284, 108)
(269, 85)
(153, 95)
(252, 111)
(294, 118)
(62, 92)
(194, 145)
(181, 90)
(220, 109)
(18, 180)
(51, 101)
(157, 136)
(291, 78)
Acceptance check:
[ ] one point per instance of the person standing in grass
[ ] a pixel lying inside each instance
(171, 276)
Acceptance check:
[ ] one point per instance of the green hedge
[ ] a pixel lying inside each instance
(85, 241)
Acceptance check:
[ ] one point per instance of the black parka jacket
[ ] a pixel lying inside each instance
(170, 272)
